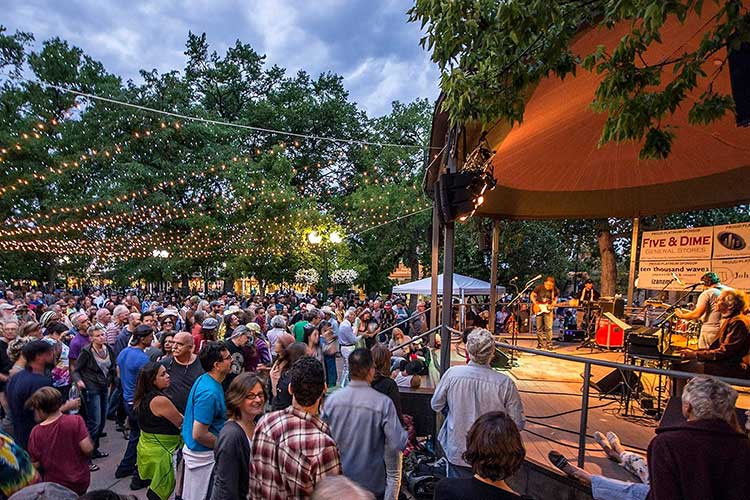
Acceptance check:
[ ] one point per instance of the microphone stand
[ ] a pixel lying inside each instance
(514, 303)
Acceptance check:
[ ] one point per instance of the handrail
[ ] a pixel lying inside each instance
(588, 362)
(620, 366)
(415, 314)
(414, 339)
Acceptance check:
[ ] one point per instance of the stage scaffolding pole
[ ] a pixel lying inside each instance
(633, 255)
(445, 333)
(435, 264)
(493, 273)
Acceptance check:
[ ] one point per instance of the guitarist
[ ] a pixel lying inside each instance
(544, 297)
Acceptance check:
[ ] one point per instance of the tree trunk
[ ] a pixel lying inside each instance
(228, 285)
(185, 283)
(607, 253)
(52, 274)
(262, 287)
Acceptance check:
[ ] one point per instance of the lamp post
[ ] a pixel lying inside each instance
(316, 238)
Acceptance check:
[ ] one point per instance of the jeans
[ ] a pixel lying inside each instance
(346, 351)
(115, 403)
(128, 462)
(331, 373)
(544, 329)
(393, 466)
(96, 414)
(604, 488)
(458, 471)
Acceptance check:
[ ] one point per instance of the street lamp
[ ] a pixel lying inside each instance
(316, 238)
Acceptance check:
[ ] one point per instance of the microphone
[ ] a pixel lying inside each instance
(694, 285)
(536, 277)
(677, 279)
(513, 279)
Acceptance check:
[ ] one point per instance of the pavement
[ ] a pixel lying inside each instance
(104, 479)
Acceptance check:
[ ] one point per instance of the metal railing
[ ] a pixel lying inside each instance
(588, 362)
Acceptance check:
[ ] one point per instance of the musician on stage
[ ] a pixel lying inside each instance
(586, 298)
(728, 354)
(544, 297)
(706, 310)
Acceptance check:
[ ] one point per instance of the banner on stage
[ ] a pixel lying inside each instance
(677, 244)
(733, 272)
(656, 275)
(731, 241)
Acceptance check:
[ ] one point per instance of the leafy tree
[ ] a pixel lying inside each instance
(491, 52)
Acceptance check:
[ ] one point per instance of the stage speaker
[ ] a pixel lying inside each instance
(569, 335)
(614, 382)
(613, 306)
(501, 360)
(739, 74)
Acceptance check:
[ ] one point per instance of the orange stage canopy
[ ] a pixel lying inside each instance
(550, 166)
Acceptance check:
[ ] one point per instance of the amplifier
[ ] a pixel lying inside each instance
(569, 335)
(613, 305)
(643, 342)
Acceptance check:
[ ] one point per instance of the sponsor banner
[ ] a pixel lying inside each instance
(656, 275)
(732, 241)
(677, 244)
(733, 272)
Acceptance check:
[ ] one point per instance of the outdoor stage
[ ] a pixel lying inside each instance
(551, 393)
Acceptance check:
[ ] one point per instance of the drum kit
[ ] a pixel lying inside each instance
(604, 333)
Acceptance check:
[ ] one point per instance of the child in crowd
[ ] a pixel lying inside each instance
(59, 445)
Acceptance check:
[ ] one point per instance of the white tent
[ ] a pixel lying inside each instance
(462, 285)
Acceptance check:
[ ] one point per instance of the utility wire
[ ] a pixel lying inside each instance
(226, 124)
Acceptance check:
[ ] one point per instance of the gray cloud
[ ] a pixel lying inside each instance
(370, 43)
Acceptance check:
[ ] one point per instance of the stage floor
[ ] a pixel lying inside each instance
(551, 393)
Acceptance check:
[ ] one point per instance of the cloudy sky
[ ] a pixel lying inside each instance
(368, 42)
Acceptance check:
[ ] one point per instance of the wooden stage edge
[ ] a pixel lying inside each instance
(551, 391)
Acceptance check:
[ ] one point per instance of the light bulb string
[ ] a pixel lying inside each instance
(222, 123)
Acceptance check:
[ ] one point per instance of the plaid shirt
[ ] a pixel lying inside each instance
(291, 451)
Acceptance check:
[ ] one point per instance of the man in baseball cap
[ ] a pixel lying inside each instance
(468, 392)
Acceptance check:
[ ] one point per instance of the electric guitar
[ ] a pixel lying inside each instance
(548, 308)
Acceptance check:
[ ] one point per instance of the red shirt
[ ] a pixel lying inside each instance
(197, 338)
(291, 451)
(57, 450)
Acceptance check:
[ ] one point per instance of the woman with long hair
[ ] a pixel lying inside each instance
(311, 338)
(283, 341)
(245, 399)
(282, 398)
(160, 424)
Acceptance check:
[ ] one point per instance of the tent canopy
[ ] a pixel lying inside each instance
(551, 166)
(462, 285)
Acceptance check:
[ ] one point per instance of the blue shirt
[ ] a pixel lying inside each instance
(130, 362)
(206, 405)
(467, 392)
(346, 334)
(365, 426)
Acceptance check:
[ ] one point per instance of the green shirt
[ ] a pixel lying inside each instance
(299, 330)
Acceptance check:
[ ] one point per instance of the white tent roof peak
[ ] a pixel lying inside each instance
(461, 285)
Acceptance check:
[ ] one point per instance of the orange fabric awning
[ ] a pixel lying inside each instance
(550, 166)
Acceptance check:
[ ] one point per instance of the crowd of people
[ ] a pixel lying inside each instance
(244, 398)
(225, 398)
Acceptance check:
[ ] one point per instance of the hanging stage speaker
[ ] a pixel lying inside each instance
(616, 381)
(739, 73)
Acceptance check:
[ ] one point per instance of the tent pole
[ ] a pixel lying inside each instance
(463, 310)
(633, 255)
(493, 273)
(445, 334)
(435, 264)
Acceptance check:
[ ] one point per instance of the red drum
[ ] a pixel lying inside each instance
(609, 335)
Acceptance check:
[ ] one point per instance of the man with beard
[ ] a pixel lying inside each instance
(40, 359)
